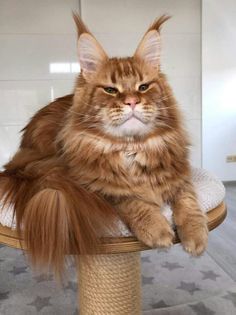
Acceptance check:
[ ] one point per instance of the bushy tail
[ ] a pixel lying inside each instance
(55, 217)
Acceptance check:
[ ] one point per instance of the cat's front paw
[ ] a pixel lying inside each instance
(194, 237)
(155, 234)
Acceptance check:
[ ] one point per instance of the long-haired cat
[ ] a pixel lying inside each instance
(117, 146)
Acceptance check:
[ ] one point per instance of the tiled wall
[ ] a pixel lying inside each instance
(35, 34)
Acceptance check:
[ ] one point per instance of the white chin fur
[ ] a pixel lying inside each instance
(132, 127)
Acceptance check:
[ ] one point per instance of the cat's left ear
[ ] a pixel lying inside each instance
(149, 49)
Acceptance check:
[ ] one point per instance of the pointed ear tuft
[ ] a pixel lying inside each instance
(81, 27)
(157, 24)
(149, 49)
(91, 54)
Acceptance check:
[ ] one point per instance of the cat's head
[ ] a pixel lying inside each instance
(121, 97)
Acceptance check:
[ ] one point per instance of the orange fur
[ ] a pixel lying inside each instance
(88, 153)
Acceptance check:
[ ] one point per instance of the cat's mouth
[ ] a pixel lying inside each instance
(133, 116)
(131, 124)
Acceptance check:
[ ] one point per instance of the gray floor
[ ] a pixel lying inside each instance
(173, 282)
(222, 243)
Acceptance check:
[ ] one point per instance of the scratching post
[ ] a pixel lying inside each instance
(110, 284)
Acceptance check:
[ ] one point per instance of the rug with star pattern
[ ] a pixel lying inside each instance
(173, 284)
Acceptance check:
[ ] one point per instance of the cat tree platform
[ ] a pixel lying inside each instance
(109, 282)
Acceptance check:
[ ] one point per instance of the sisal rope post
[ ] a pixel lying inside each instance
(110, 284)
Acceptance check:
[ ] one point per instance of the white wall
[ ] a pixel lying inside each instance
(119, 25)
(34, 34)
(219, 86)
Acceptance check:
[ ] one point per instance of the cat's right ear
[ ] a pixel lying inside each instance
(91, 53)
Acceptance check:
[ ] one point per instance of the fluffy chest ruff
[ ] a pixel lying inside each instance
(146, 169)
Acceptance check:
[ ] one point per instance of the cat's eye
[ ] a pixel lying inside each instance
(110, 90)
(143, 87)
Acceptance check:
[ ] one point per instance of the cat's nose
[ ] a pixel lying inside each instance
(132, 101)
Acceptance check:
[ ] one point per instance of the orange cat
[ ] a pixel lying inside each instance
(117, 143)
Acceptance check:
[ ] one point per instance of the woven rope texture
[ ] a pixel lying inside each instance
(110, 284)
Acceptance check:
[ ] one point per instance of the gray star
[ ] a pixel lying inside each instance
(147, 280)
(189, 287)
(162, 250)
(171, 266)
(18, 270)
(39, 303)
(209, 275)
(201, 309)
(159, 304)
(71, 285)
(4, 295)
(43, 277)
(231, 296)
(145, 259)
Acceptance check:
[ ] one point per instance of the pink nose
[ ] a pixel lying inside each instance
(132, 101)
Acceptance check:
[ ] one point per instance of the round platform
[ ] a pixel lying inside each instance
(114, 245)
